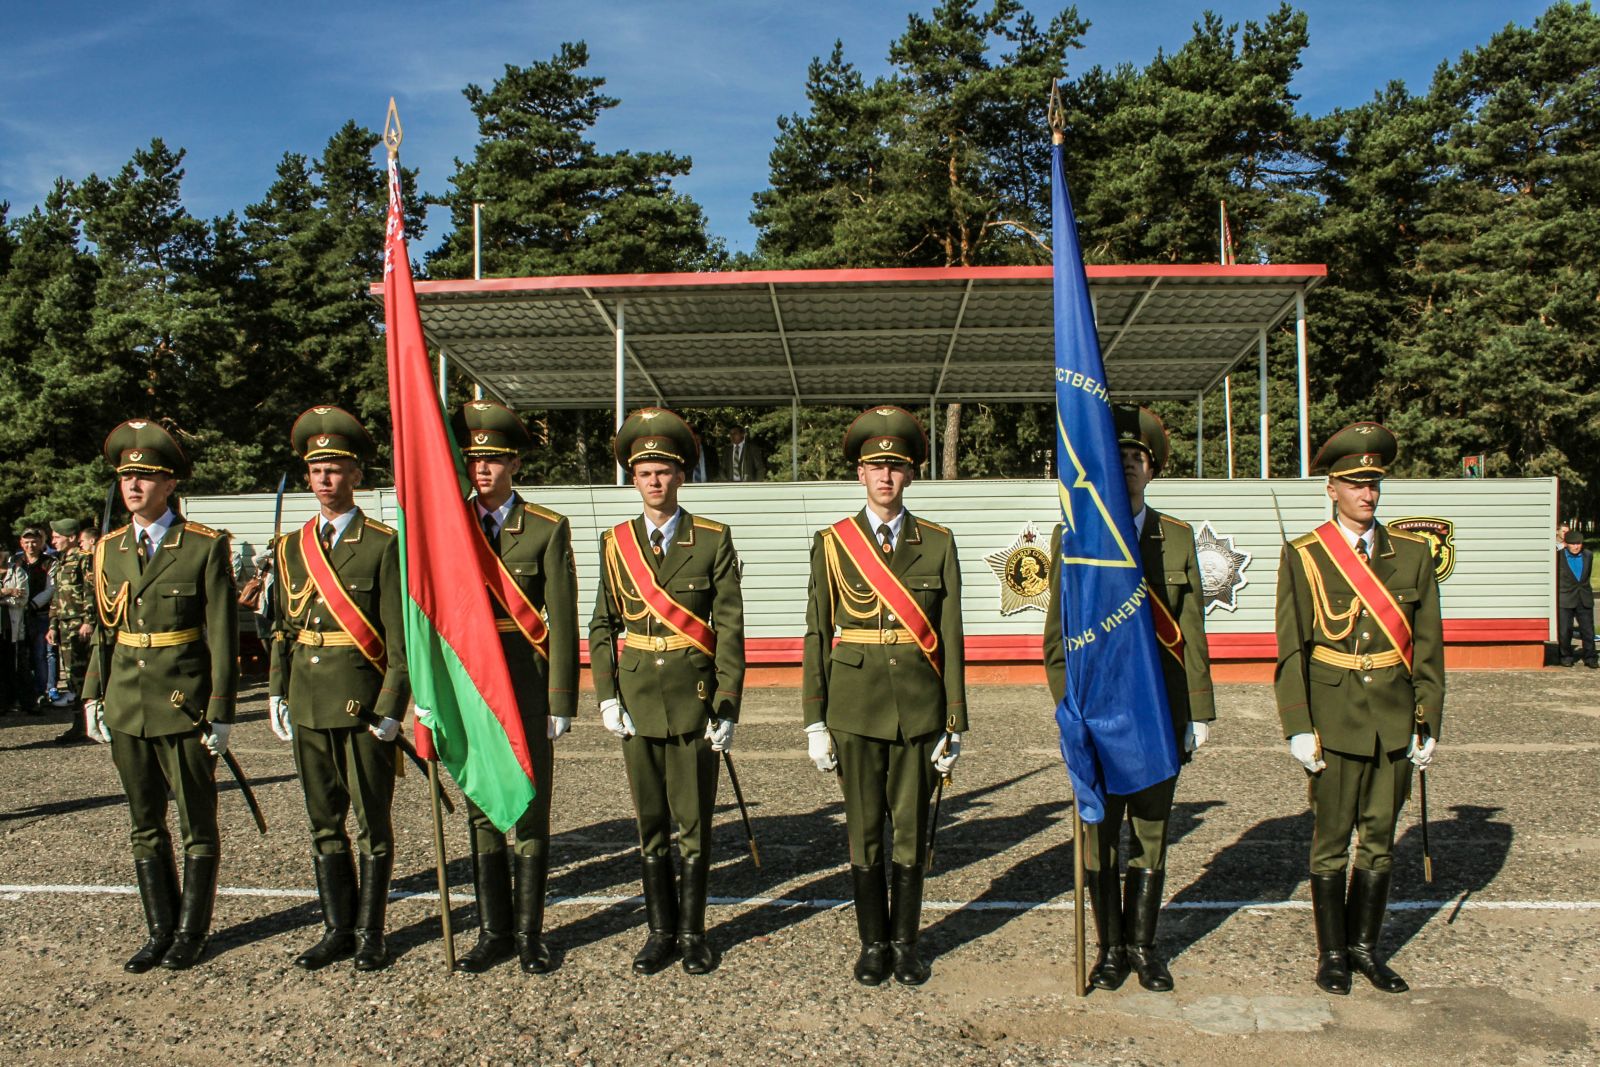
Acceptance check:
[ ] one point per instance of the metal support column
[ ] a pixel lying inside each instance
(794, 439)
(1303, 382)
(1227, 417)
(933, 437)
(1266, 440)
(1200, 436)
(621, 375)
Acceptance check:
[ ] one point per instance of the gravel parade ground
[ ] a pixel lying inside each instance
(1499, 950)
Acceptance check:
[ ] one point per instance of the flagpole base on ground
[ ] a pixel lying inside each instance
(444, 879)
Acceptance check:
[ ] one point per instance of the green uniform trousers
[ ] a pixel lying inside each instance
(533, 826)
(151, 766)
(1147, 811)
(886, 779)
(1361, 793)
(673, 780)
(342, 768)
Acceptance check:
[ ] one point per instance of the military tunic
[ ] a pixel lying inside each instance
(671, 693)
(535, 544)
(885, 704)
(1334, 678)
(1172, 570)
(172, 646)
(324, 676)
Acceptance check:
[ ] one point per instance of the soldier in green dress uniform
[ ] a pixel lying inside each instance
(1360, 691)
(1125, 921)
(339, 685)
(165, 608)
(670, 581)
(535, 546)
(884, 682)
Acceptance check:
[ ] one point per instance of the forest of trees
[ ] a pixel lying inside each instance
(1459, 224)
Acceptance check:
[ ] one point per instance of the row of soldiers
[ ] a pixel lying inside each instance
(884, 708)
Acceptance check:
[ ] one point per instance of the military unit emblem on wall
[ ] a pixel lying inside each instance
(1440, 535)
(1023, 572)
(1222, 568)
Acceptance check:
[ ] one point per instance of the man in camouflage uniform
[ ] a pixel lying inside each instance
(70, 623)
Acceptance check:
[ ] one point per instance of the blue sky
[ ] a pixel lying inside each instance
(84, 84)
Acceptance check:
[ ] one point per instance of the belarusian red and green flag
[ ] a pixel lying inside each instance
(466, 707)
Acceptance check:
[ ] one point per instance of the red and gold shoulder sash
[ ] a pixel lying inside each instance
(673, 615)
(350, 618)
(865, 554)
(1373, 593)
(510, 596)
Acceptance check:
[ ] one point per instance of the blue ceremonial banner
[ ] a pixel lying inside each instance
(1116, 732)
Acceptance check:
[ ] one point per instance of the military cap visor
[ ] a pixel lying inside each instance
(486, 429)
(656, 434)
(140, 446)
(327, 432)
(886, 434)
(1142, 428)
(1361, 452)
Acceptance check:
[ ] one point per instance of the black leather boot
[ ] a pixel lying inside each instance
(1140, 912)
(158, 891)
(876, 961)
(533, 872)
(371, 952)
(661, 912)
(1363, 918)
(1327, 906)
(1110, 968)
(194, 913)
(336, 888)
(492, 877)
(697, 958)
(905, 922)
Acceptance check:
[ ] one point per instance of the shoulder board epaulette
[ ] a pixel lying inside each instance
(932, 525)
(1176, 522)
(118, 532)
(374, 524)
(1406, 535)
(200, 528)
(1304, 540)
(542, 512)
(709, 524)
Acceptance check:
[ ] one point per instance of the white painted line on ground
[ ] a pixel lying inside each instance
(17, 892)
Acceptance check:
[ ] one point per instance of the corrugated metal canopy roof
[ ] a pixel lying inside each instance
(847, 336)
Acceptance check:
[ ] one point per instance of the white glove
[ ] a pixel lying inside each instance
(278, 716)
(1421, 752)
(556, 725)
(720, 733)
(614, 717)
(1303, 747)
(819, 746)
(94, 721)
(946, 752)
(1196, 735)
(387, 730)
(216, 739)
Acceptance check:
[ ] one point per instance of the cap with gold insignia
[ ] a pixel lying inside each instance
(66, 527)
(658, 434)
(485, 428)
(1142, 428)
(886, 432)
(1361, 452)
(140, 446)
(327, 432)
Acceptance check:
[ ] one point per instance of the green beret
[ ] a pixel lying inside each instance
(886, 433)
(1361, 452)
(485, 428)
(140, 446)
(1142, 428)
(327, 432)
(66, 527)
(656, 433)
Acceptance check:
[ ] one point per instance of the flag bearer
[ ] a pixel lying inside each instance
(1360, 688)
(884, 681)
(669, 588)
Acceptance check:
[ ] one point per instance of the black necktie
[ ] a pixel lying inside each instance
(325, 535)
(886, 537)
(1361, 549)
(489, 530)
(655, 543)
(145, 549)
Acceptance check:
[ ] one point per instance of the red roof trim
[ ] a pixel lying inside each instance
(711, 280)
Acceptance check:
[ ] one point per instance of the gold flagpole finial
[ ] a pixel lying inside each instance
(391, 130)
(1056, 114)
